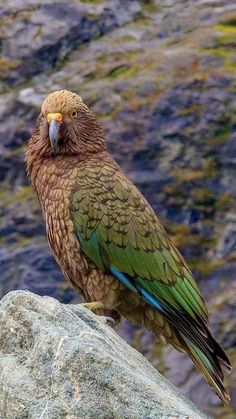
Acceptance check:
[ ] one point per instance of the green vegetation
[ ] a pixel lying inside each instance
(123, 70)
(91, 1)
(225, 43)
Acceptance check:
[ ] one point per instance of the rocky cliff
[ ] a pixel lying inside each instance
(161, 77)
(62, 361)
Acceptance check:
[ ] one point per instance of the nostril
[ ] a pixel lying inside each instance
(57, 116)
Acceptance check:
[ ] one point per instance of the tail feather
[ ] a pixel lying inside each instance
(196, 339)
(210, 366)
(222, 357)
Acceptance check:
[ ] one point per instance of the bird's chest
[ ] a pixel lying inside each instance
(54, 190)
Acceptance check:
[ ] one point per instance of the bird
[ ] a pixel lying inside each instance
(107, 239)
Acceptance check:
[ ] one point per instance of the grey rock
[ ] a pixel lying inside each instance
(47, 32)
(59, 361)
(41, 275)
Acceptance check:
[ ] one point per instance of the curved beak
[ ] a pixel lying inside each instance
(54, 121)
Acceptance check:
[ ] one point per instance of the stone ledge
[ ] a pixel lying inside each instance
(62, 361)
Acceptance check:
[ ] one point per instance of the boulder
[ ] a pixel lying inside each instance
(62, 361)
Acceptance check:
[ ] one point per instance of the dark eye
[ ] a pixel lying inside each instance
(74, 113)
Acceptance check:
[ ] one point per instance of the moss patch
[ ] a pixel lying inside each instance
(91, 1)
(122, 70)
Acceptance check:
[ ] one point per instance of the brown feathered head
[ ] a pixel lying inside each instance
(67, 126)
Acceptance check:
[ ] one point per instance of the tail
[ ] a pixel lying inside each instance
(210, 360)
(197, 341)
(192, 333)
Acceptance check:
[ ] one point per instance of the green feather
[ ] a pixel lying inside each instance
(119, 223)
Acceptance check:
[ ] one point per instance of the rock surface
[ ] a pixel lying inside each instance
(161, 77)
(60, 361)
(46, 32)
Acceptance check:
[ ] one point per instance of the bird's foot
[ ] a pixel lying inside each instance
(112, 316)
(94, 306)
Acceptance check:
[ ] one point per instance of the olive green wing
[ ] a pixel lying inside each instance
(120, 233)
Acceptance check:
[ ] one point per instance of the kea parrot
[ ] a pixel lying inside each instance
(108, 240)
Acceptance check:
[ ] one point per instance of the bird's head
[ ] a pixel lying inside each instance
(67, 126)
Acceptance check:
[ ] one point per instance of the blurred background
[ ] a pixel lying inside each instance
(161, 77)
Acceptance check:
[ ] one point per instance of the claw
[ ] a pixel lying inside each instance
(111, 322)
